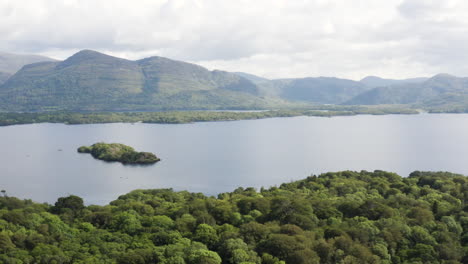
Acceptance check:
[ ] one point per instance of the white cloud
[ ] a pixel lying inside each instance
(273, 38)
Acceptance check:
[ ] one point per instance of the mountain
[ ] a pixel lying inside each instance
(251, 77)
(3, 77)
(320, 90)
(90, 80)
(11, 63)
(169, 76)
(442, 87)
(93, 81)
(374, 81)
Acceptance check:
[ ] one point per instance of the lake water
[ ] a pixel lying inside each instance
(40, 161)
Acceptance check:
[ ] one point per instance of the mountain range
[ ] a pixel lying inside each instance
(440, 91)
(93, 81)
(90, 80)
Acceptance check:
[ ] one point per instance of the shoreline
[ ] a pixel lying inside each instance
(182, 117)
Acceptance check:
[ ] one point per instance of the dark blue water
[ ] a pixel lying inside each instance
(40, 161)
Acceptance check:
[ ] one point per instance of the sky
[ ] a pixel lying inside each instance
(269, 38)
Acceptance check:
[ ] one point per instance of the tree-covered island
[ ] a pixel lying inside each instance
(118, 152)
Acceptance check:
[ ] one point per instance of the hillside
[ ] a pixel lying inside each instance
(3, 77)
(344, 217)
(90, 80)
(442, 89)
(11, 63)
(316, 90)
(321, 90)
(400, 94)
(252, 77)
(374, 81)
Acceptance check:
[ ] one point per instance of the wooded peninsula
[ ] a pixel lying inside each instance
(180, 117)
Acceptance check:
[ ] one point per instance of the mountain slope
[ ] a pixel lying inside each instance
(11, 63)
(439, 86)
(169, 76)
(374, 81)
(321, 90)
(90, 80)
(86, 78)
(3, 77)
(251, 77)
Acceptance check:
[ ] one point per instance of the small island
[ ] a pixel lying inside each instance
(118, 152)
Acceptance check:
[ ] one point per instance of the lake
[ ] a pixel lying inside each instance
(40, 161)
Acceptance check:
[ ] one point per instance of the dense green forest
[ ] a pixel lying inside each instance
(118, 152)
(180, 117)
(344, 217)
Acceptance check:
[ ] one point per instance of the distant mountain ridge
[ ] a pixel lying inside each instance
(374, 81)
(252, 77)
(93, 81)
(4, 76)
(441, 89)
(315, 90)
(90, 80)
(11, 63)
(323, 90)
(442, 92)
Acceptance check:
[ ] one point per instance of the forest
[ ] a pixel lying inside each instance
(342, 217)
(181, 117)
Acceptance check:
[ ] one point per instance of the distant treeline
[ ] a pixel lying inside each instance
(448, 110)
(344, 217)
(179, 117)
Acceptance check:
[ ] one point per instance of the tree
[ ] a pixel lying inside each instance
(72, 202)
(5, 242)
(236, 251)
(127, 222)
(70, 206)
(206, 234)
(203, 256)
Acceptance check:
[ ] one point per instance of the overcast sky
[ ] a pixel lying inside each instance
(274, 39)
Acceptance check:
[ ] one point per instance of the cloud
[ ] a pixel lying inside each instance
(351, 39)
